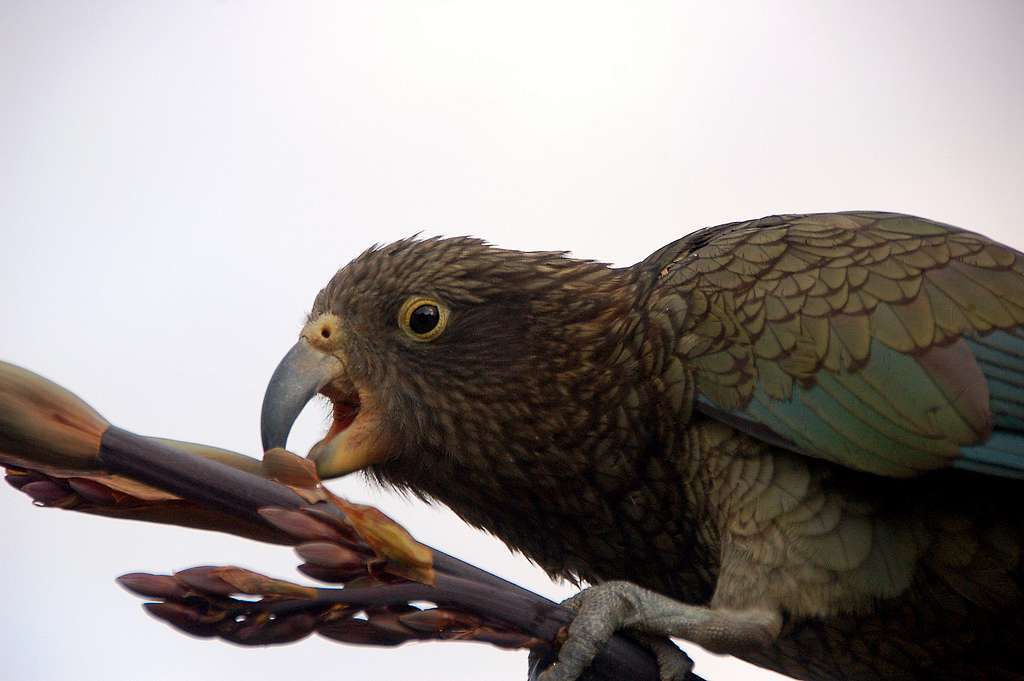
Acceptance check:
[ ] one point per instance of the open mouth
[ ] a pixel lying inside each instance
(345, 404)
(358, 436)
(354, 439)
(344, 415)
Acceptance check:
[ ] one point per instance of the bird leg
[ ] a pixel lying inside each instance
(606, 608)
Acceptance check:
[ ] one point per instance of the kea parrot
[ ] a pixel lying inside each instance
(798, 440)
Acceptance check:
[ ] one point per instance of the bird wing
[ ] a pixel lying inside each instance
(883, 342)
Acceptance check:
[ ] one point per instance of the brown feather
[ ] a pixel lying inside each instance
(557, 411)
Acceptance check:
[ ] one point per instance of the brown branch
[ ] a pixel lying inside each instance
(201, 601)
(381, 567)
(456, 583)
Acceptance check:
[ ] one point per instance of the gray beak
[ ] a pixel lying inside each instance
(299, 376)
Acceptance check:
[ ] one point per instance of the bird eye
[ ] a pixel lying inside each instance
(423, 319)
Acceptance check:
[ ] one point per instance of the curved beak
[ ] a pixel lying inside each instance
(302, 373)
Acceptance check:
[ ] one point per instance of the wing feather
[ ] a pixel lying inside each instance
(883, 342)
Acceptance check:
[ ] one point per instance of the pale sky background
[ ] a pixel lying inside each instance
(178, 180)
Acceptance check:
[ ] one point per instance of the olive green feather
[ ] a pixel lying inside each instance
(883, 342)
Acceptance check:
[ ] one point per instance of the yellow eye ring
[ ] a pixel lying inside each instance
(423, 319)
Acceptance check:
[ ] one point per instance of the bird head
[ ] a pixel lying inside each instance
(436, 350)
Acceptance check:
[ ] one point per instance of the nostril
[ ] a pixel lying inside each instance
(324, 331)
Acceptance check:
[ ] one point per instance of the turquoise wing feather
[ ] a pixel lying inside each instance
(883, 342)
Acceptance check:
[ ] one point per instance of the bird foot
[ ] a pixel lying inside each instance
(600, 612)
(651, 617)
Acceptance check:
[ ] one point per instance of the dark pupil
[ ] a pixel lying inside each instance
(424, 319)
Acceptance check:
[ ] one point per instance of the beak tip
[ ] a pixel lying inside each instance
(274, 427)
(299, 376)
(270, 436)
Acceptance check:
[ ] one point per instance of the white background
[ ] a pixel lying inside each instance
(178, 179)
